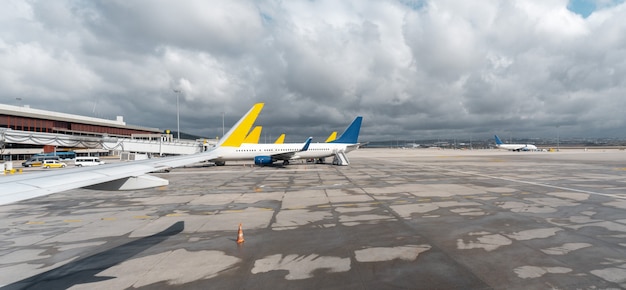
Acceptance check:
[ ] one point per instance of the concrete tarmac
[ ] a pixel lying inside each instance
(393, 219)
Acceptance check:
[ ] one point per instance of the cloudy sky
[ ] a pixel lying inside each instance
(412, 69)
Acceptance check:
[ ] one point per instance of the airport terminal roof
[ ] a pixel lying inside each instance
(56, 116)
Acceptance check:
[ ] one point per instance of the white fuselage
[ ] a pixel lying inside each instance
(249, 151)
(517, 147)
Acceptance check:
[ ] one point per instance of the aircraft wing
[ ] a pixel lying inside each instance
(129, 175)
(125, 176)
(289, 154)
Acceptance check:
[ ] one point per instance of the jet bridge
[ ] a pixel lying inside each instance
(161, 147)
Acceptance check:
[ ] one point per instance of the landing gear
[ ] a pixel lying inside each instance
(220, 163)
(285, 162)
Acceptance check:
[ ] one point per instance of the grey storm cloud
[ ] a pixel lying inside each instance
(413, 69)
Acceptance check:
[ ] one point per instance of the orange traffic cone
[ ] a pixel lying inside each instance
(240, 235)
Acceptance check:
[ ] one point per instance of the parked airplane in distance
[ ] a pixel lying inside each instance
(266, 154)
(514, 147)
(118, 176)
(254, 135)
(280, 139)
(332, 137)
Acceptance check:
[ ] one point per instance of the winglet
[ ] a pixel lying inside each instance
(332, 137)
(237, 133)
(306, 144)
(254, 136)
(498, 141)
(351, 134)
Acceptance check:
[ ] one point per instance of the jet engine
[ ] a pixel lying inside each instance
(263, 160)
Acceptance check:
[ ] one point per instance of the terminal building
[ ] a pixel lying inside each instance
(26, 119)
(34, 120)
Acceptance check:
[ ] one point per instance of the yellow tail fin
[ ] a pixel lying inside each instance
(237, 133)
(280, 139)
(332, 137)
(254, 136)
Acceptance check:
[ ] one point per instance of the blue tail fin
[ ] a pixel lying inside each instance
(498, 141)
(351, 134)
(306, 144)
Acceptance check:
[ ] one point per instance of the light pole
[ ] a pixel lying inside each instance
(177, 114)
(557, 138)
(222, 124)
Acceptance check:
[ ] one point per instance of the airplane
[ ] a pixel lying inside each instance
(514, 147)
(267, 154)
(271, 153)
(130, 175)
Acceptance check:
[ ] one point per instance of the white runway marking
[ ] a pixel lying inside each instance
(525, 272)
(380, 254)
(301, 266)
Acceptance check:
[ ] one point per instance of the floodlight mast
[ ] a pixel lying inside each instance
(177, 114)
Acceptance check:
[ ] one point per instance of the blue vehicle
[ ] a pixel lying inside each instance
(60, 154)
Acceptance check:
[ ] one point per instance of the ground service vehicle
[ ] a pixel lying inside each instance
(53, 164)
(38, 160)
(87, 161)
